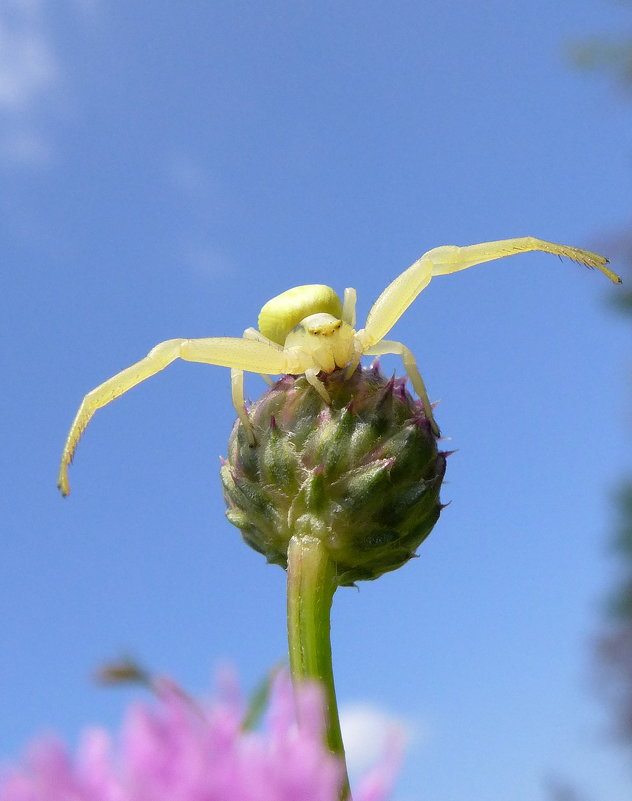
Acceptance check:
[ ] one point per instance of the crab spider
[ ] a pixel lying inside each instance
(307, 330)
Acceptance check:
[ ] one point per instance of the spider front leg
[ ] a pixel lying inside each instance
(450, 259)
(410, 365)
(401, 292)
(241, 354)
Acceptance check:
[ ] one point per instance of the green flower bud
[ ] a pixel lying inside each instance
(362, 474)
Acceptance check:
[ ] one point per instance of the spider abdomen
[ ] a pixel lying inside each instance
(283, 313)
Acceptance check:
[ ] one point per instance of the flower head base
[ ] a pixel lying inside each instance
(362, 473)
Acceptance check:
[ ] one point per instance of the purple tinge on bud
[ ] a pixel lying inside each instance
(362, 473)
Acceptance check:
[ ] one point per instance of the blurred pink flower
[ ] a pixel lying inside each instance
(178, 750)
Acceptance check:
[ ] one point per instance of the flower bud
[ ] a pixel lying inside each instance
(362, 474)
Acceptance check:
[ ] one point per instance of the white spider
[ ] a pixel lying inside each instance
(307, 330)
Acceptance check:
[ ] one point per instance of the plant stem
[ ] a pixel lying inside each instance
(311, 584)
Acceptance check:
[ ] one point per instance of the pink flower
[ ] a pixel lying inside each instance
(178, 750)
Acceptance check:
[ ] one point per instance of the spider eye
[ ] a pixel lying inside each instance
(320, 325)
(284, 312)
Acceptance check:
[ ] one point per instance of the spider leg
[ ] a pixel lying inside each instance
(311, 374)
(231, 352)
(394, 301)
(399, 294)
(349, 307)
(239, 402)
(356, 355)
(237, 385)
(451, 259)
(252, 333)
(390, 346)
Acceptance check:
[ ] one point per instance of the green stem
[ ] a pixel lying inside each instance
(311, 584)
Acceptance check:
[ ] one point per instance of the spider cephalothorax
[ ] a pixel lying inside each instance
(308, 330)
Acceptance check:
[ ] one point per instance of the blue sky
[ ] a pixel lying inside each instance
(167, 168)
